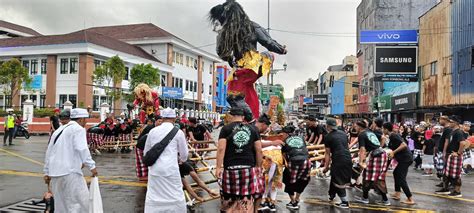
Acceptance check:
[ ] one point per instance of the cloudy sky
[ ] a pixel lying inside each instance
(317, 33)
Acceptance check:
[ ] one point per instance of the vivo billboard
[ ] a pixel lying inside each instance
(388, 37)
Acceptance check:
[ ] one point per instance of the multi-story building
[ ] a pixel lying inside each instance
(382, 15)
(62, 65)
(446, 59)
(298, 96)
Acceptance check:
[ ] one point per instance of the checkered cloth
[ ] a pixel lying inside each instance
(242, 182)
(94, 140)
(453, 167)
(125, 137)
(466, 154)
(142, 169)
(417, 152)
(439, 162)
(299, 171)
(200, 146)
(376, 167)
(108, 138)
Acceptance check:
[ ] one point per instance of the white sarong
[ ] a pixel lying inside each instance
(70, 193)
(165, 194)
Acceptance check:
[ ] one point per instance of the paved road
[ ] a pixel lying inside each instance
(21, 179)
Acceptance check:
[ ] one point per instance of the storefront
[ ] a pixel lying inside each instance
(403, 107)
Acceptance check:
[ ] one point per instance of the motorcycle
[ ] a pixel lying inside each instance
(22, 131)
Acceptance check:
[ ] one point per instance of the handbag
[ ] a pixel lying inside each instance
(154, 153)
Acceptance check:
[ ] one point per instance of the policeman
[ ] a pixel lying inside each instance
(9, 127)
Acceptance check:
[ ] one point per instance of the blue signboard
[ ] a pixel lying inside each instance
(388, 36)
(172, 92)
(307, 100)
(37, 82)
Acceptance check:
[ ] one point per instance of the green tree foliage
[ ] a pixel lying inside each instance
(143, 73)
(108, 75)
(12, 77)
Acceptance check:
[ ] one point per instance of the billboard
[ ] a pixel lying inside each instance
(404, 102)
(172, 92)
(307, 100)
(396, 60)
(320, 99)
(388, 37)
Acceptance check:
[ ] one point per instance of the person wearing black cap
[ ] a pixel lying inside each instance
(239, 164)
(296, 174)
(454, 152)
(338, 156)
(65, 116)
(374, 161)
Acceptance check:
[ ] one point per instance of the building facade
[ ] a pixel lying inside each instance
(62, 65)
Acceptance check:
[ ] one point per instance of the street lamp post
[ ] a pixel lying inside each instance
(273, 72)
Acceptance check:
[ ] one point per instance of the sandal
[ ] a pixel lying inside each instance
(395, 197)
(408, 202)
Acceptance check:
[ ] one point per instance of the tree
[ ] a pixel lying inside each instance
(142, 73)
(12, 77)
(109, 75)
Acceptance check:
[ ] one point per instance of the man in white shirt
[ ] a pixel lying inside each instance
(165, 190)
(66, 154)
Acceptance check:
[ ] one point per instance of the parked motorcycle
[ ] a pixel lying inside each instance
(22, 131)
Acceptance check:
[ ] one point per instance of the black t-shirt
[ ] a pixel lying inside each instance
(446, 134)
(110, 130)
(240, 149)
(436, 140)
(198, 132)
(295, 149)
(320, 130)
(55, 120)
(310, 130)
(368, 140)
(455, 140)
(402, 156)
(417, 140)
(126, 130)
(336, 140)
(430, 144)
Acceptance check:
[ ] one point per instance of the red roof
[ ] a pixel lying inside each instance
(83, 36)
(19, 28)
(132, 31)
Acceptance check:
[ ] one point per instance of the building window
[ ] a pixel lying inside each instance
(26, 64)
(210, 69)
(127, 74)
(472, 56)
(195, 86)
(210, 89)
(181, 83)
(8, 100)
(63, 66)
(73, 66)
(42, 101)
(62, 99)
(195, 64)
(23, 99)
(73, 100)
(43, 66)
(187, 61)
(187, 85)
(34, 67)
(434, 67)
(202, 88)
(163, 80)
(95, 103)
(33, 98)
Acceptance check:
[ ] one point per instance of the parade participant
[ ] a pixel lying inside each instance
(338, 158)
(296, 174)
(141, 168)
(402, 154)
(54, 121)
(158, 120)
(185, 169)
(453, 168)
(198, 132)
(273, 164)
(467, 154)
(428, 152)
(440, 157)
(238, 164)
(237, 44)
(9, 126)
(66, 154)
(147, 100)
(418, 139)
(374, 161)
(124, 132)
(65, 116)
(376, 128)
(311, 124)
(165, 190)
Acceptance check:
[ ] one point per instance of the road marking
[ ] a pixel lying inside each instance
(444, 196)
(370, 206)
(102, 179)
(22, 157)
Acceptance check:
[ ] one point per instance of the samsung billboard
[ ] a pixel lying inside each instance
(396, 60)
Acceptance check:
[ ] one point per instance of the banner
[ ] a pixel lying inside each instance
(404, 102)
(172, 92)
(396, 60)
(321, 99)
(388, 36)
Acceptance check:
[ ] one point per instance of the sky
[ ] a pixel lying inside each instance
(317, 33)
